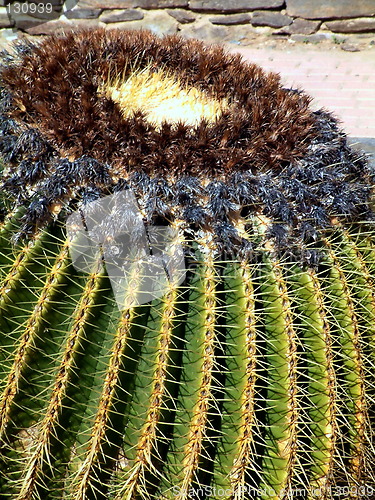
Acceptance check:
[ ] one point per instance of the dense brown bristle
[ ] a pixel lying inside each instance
(55, 88)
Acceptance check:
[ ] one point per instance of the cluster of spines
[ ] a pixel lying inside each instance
(299, 202)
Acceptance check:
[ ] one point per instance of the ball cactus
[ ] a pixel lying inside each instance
(252, 376)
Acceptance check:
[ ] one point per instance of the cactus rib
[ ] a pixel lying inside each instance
(195, 397)
(239, 422)
(146, 435)
(321, 377)
(281, 436)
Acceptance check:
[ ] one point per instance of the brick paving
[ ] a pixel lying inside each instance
(342, 82)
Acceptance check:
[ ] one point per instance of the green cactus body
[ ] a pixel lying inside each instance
(253, 377)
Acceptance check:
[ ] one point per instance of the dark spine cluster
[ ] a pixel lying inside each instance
(268, 156)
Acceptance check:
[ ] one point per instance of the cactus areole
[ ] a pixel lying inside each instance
(250, 376)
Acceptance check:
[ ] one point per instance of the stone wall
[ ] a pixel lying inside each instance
(235, 21)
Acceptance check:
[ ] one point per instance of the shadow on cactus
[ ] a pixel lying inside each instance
(253, 377)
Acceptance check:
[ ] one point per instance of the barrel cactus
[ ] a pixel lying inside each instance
(249, 376)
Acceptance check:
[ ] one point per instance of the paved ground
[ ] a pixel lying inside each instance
(343, 82)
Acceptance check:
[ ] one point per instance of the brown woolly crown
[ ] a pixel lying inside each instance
(200, 135)
(55, 89)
